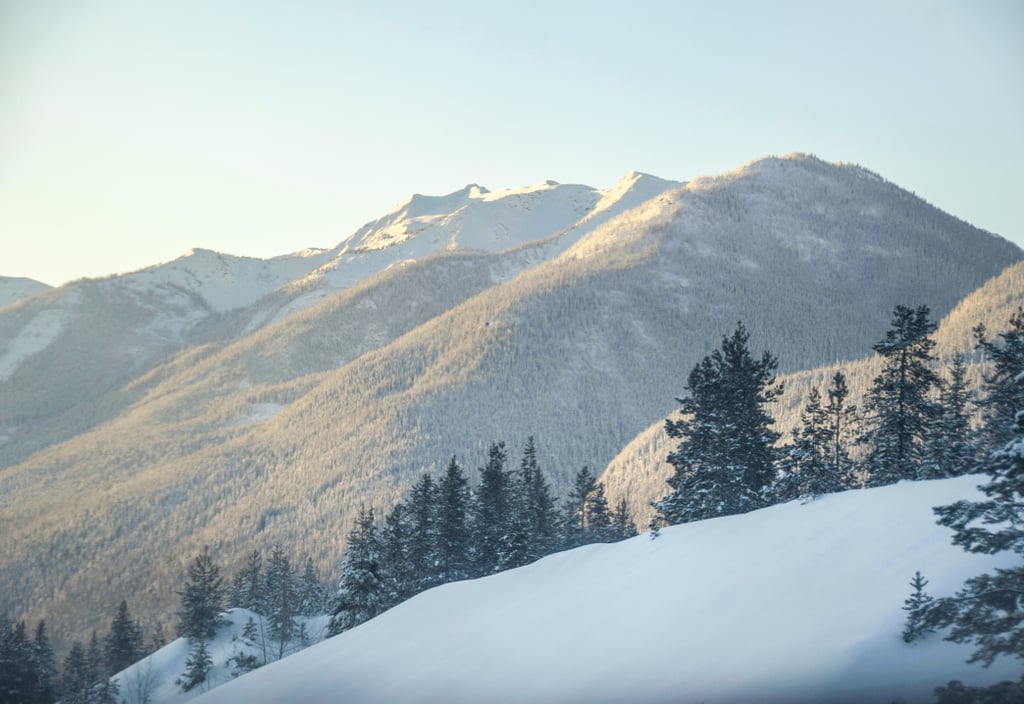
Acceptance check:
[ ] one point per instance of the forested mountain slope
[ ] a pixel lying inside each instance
(280, 429)
(639, 471)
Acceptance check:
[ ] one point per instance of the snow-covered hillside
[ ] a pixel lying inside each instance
(794, 603)
(14, 288)
(152, 679)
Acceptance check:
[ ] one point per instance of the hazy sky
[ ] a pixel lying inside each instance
(133, 131)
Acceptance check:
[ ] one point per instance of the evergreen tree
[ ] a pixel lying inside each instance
(1002, 397)
(45, 666)
(900, 412)
(197, 668)
(491, 513)
(453, 545)
(18, 673)
(537, 505)
(313, 600)
(202, 599)
(282, 599)
(623, 524)
(423, 501)
(587, 517)
(950, 449)
(917, 607)
(77, 677)
(123, 645)
(396, 570)
(247, 586)
(724, 463)
(988, 611)
(360, 594)
(840, 420)
(806, 460)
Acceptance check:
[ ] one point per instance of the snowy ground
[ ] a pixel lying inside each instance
(153, 679)
(795, 603)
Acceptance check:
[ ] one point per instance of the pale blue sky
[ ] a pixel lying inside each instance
(132, 131)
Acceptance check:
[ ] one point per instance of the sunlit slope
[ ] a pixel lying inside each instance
(281, 435)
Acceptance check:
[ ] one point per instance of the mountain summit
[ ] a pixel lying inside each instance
(146, 414)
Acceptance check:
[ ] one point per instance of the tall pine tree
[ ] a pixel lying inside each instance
(361, 594)
(900, 410)
(989, 610)
(453, 544)
(724, 463)
(202, 599)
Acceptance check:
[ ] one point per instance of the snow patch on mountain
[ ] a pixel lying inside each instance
(15, 288)
(794, 603)
(41, 331)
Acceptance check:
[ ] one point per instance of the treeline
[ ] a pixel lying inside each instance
(446, 532)
(28, 666)
(915, 423)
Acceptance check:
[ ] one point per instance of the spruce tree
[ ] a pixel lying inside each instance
(724, 463)
(197, 668)
(988, 611)
(491, 513)
(202, 599)
(282, 599)
(900, 411)
(77, 678)
(422, 510)
(541, 515)
(122, 646)
(360, 594)
(806, 460)
(840, 420)
(950, 449)
(1002, 397)
(396, 569)
(623, 524)
(247, 586)
(917, 606)
(313, 595)
(452, 537)
(45, 666)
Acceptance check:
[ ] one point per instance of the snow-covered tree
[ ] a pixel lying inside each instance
(360, 594)
(724, 462)
(988, 611)
(281, 594)
(197, 668)
(123, 644)
(313, 601)
(202, 599)
(950, 449)
(452, 549)
(492, 511)
(899, 408)
(536, 505)
(247, 586)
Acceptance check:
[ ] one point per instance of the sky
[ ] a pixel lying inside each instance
(131, 132)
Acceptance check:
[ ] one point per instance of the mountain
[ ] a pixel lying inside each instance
(794, 603)
(640, 469)
(13, 289)
(147, 429)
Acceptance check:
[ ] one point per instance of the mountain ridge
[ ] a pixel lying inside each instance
(274, 422)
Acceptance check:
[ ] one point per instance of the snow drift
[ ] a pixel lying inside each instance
(794, 603)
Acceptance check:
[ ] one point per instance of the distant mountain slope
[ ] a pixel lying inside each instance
(14, 288)
(278, 429)
(640, 469)
(749, 608)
